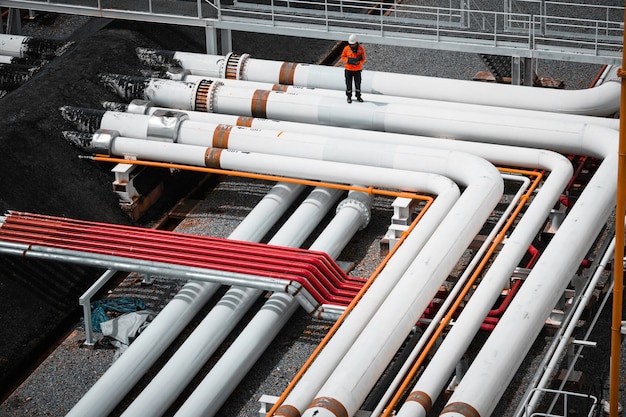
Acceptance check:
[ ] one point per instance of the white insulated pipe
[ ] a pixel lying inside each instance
(351, 215)
(494, 367)
(601, 101)
(140, 106)
(455, 290)
(13, 45)
(301, 223)
(19, 46)
(119, 379)
(180, 369)
(125, 372)
(411, 101)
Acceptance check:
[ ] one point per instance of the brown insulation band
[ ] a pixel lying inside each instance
(331, 405)
(461, 408)
(287, 71)
(280, 87)
(421, 398)
(245, 121)
(202, 94)
(212, 157)
(258, 106)
(286, 411)
(221, 135)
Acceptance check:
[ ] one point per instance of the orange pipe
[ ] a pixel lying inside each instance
(618, 260)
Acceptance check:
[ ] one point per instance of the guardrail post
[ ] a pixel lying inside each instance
(210, 34)
(85, 301)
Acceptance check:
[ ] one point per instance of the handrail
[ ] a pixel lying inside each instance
(594, 36)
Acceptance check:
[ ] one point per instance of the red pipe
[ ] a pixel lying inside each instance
(315, 271)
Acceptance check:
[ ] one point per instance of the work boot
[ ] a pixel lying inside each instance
(349, 99)
(359, 99)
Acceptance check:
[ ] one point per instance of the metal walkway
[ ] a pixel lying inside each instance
(526, 29)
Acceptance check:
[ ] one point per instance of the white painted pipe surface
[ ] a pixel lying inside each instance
(602, 100)
(567, 139)
(469, 125)
(12, 45)
(412, 101)
(316, 169)
(267, 212)
(515, 134)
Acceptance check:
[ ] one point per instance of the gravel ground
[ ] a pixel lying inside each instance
(72, 79)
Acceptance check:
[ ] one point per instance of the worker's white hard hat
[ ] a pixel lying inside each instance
(352, 39)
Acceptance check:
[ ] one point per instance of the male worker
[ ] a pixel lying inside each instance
(353, 57)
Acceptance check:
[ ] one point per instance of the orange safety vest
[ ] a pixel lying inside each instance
(353, 61)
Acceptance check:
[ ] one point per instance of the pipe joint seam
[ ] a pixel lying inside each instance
(139, 106)
(286, 411)
(164, 125)
(103, 140)
(359, 206)
(460, 408)
(331, 405)
(422, 399)
(286, 73)
(212, 157)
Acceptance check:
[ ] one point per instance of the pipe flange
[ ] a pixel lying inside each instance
(242, 66)
(164, 125)
(138, 106)
(361, 207)
(205, 94)
(103, 140)
(235, 65)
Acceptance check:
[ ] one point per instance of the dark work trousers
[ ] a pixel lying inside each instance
(356, 76)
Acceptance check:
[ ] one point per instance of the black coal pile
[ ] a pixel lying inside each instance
(41, 173)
